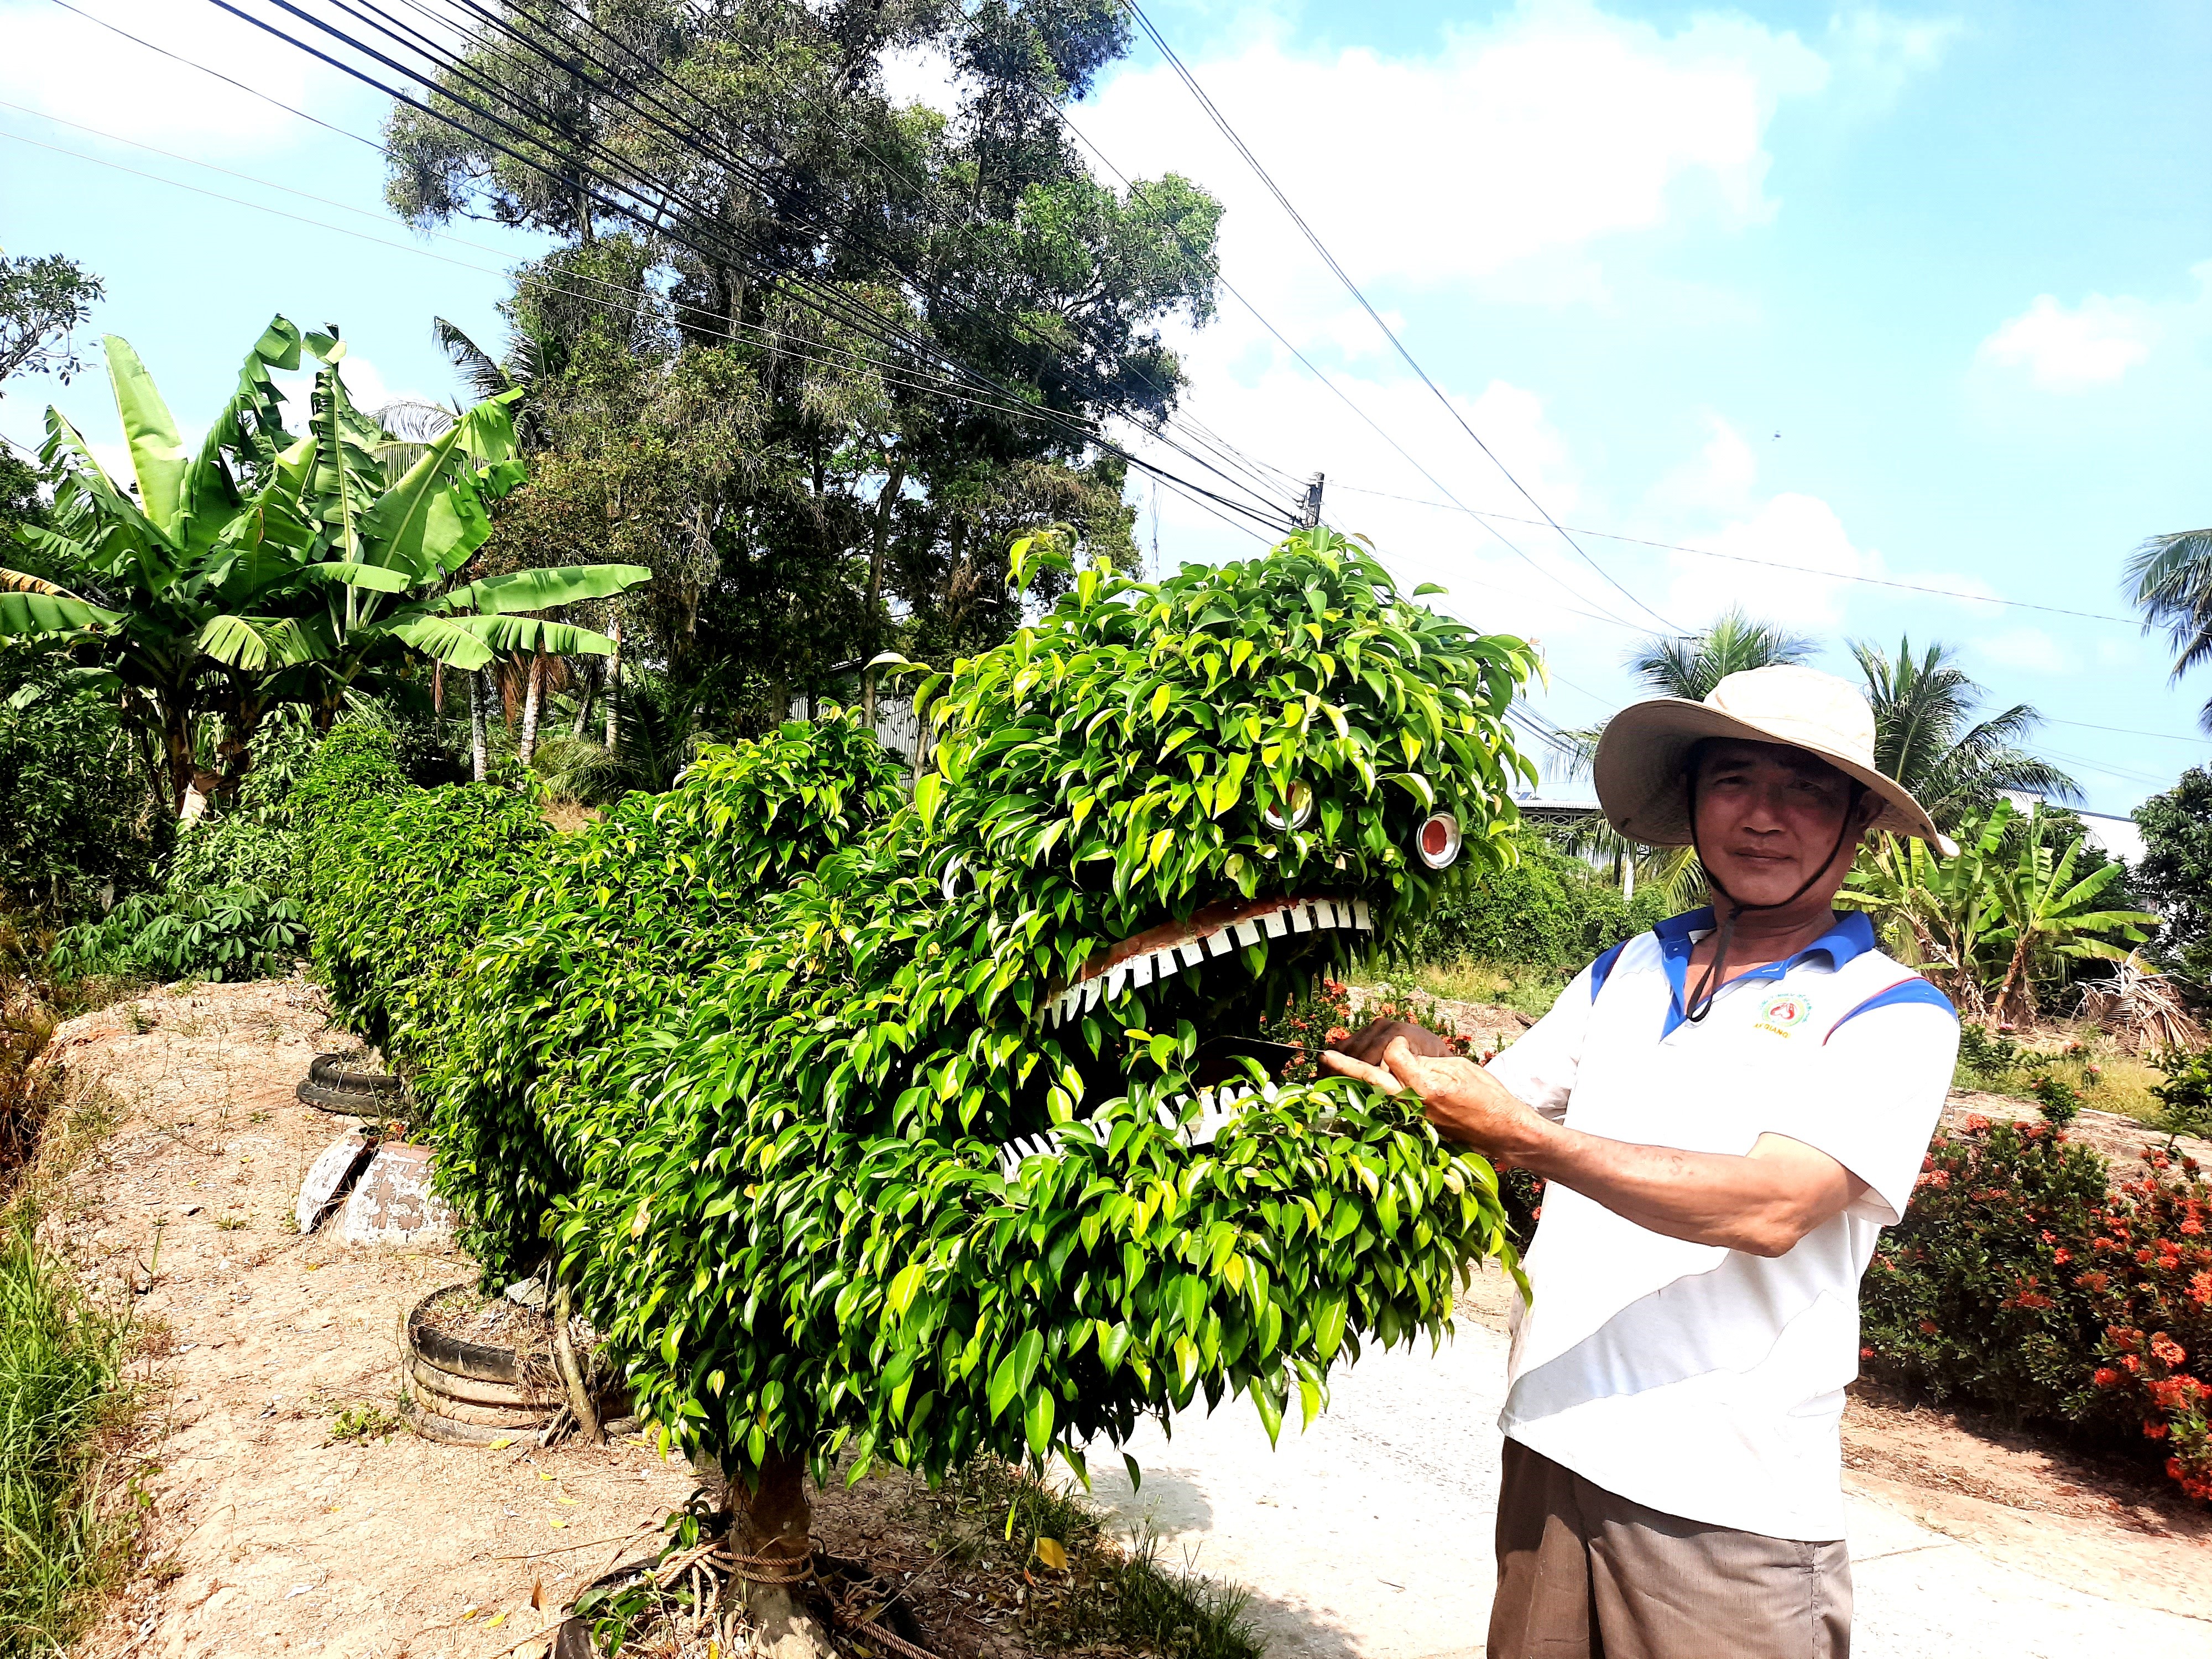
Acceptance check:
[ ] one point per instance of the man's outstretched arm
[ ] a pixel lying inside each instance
(1761, 1202)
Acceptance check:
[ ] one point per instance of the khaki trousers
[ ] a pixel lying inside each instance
(1582, 1574)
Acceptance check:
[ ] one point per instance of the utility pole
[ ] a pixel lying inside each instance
(1310, 514)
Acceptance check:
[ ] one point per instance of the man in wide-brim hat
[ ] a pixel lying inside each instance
(1727, 1109)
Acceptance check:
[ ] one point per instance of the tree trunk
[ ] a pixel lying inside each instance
(584, 698)
(892, 485)
(614, 682)
(774, 1520)
(479, 739)
(234, 748)
(177, 755)
(532, 700)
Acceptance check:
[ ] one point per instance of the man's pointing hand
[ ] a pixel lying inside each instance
(1467, 1104)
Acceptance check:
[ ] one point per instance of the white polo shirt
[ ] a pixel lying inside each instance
(1699, 1381)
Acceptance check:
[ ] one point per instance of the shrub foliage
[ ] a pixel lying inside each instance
(748, 1053)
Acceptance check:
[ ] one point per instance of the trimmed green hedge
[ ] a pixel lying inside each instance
(1549, 909)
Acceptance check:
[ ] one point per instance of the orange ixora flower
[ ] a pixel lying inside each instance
(2168, 1351)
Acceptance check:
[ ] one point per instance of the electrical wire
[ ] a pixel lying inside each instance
(1746, 558)
(654, 217)
(1341, 395)
(451, 64)
(1221, 122)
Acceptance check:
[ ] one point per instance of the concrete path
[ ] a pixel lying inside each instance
(1369, 1537)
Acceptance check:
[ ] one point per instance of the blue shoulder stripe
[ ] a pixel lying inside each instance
(1602, 969)
(1915, 989)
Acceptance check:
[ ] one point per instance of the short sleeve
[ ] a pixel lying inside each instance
(1870, 1097)
(1540, 1067)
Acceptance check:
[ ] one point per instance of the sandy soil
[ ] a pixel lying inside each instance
(266, 1536)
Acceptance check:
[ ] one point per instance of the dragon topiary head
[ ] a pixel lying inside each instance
(964, 1146)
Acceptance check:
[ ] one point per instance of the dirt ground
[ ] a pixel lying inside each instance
(266, 1534)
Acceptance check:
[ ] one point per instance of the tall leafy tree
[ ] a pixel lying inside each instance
(812, 228)
(2175, 875)
(1928, 738)
(42, 301)
(2170, 581)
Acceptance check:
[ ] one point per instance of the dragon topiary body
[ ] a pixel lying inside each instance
(952, 1142)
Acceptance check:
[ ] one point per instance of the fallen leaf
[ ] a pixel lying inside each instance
(542, 1475)
(471, 1610)
(496, 1620)
(501, 1444)
(1052, 1554)
(538, 1595)
(570, 1502)
(557, 1523)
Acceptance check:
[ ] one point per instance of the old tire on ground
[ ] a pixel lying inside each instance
(470, 1394)
(334, 1086)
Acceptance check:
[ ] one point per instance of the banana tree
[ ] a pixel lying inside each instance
(1942, 915)
(269, 568)
(2048, 914)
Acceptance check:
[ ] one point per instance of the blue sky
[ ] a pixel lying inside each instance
(1921, 295)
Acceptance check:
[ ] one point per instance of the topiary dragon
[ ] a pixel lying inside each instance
(959, 1142)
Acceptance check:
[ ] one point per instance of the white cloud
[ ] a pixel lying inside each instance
(61, 64)
(2029, 648)
(2092, 344)
(1555, 127)
(1876, 54)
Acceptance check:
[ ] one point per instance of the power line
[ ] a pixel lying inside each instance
(1314, 369)
(654, 217)
(254, 91)
(1746, 558)
(942, 391)
(1229, 133)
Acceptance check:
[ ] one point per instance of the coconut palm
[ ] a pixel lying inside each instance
(1688, 668)
(2170, 579)
(1927, 737)
(1691, 667)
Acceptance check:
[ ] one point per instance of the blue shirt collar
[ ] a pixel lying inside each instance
(1849, 935)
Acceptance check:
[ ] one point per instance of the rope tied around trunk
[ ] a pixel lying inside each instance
(775, 1570)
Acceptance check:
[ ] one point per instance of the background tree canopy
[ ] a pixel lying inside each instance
(737, 400)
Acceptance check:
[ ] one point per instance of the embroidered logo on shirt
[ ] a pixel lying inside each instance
(1782, 1013)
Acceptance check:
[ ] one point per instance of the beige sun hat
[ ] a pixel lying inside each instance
(1643, 759)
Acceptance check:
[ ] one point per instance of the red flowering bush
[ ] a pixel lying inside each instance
(2023, 1279)
(1973, 1293)
(2149, 1276)
(1326, 1019)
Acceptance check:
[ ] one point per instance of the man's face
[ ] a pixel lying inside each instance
(1768, 816)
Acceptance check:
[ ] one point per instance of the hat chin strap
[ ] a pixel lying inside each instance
(1711, 981)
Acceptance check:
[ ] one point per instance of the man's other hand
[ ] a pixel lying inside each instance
(1468, 1105)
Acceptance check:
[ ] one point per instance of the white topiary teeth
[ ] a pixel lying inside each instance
(1216, 1109)
(1289, 916)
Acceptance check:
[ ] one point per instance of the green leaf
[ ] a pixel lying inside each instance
(28, 614)
(157, 452)
(1036, 1422)
(543, 590)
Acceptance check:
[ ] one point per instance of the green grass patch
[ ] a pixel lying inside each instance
(1527, 990)
(2105, 1079)
(63, 1398)
(1085, 1589)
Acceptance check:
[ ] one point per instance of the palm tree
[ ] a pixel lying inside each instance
(1691, 667)
(2172, 576)
(1926, 736)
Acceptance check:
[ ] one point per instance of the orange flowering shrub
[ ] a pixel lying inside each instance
(2024, 1280)
(1325, 1018)
(2148, 1275)
(1971, 1294)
